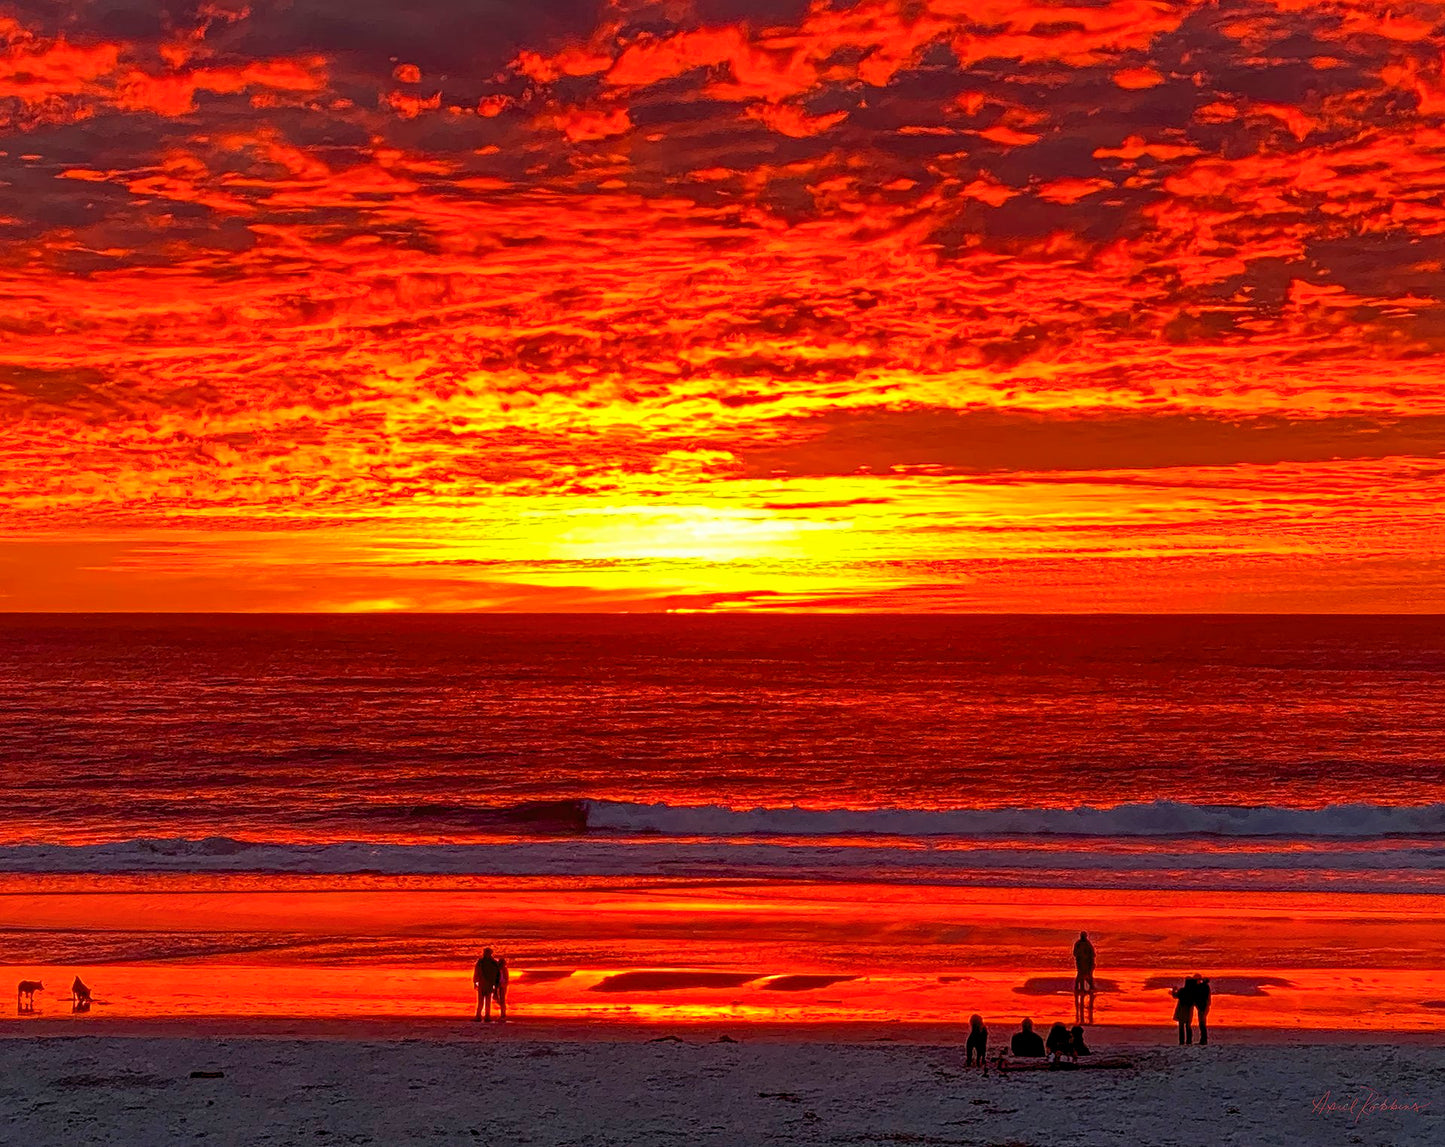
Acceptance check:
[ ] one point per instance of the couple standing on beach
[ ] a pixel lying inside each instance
(490, 978)
(1194, 998)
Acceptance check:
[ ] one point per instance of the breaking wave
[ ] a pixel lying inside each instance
(1158, 818)
(1365, 847)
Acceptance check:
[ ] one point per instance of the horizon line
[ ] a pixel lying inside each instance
(714, 613)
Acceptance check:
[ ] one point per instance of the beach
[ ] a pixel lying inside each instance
(643, 1085)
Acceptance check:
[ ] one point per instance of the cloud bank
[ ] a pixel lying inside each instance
(886, 304)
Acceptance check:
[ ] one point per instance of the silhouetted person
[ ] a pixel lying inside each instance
(1083, 979)
(1184, 1010)
(79, 996)
(503, 976)
(977, 1042)
(1083, 964)
(484, 979)
(1026, 1041)
(1058, 1044)
(1076, 1037)
(1201, 1006)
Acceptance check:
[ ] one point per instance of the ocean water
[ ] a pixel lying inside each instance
(745, 736)
(243, 792)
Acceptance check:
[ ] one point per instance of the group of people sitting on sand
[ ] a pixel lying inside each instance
(1062, 1043)
(80, 999)
(490, 978)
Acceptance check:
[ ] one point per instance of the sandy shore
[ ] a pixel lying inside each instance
(543, 1085)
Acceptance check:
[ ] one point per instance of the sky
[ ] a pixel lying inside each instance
(917, 305)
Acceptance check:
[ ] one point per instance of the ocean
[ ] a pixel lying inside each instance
(891, 816)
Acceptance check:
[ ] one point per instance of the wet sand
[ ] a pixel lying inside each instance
(194, 946)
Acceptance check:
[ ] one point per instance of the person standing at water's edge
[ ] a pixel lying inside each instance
(484, 978)
(1083, 964)
(1083, 979)
(1201, 1006)
(1184, 1010)
(503, 978)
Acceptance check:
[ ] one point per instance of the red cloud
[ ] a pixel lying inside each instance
(668, 310)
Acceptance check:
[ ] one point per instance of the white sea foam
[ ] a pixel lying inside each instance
(1416, 869)
(1158, 818)
(1338, 847)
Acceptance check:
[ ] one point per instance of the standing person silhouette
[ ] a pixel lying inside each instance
(503, 976)
(484, 978)
(1184, 1010)
(1083, 979)
(1201, 1006)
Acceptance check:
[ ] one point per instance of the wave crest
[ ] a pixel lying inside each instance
(1157, 818)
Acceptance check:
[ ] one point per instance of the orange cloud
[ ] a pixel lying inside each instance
(952, 305)
(581, 124)
(785, 119)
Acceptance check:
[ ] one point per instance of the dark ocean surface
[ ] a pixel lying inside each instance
(962, 747)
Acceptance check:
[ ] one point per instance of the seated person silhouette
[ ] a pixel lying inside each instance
(79, 996)
(1076, 1037)
(1059, 1043)
(1026, 1041)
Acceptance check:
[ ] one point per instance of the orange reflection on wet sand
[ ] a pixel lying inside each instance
(1306, 999)
(629, 949)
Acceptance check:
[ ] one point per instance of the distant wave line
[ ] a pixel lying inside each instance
(1161, 818)
(1156, 818)
(712, 859)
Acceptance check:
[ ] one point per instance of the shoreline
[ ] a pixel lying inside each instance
(533, 1029)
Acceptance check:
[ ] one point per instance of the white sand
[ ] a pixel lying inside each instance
(511, 1086)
